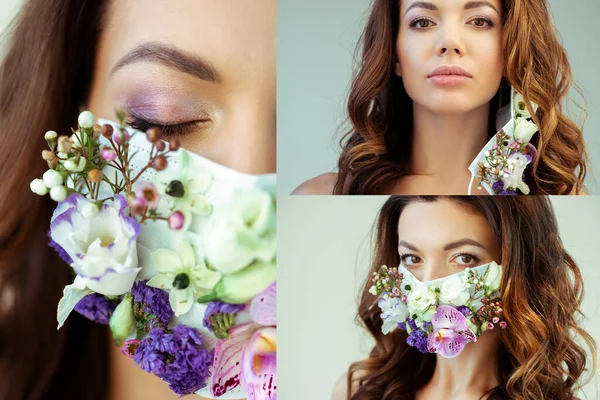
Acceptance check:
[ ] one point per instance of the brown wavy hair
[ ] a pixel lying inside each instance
(541, 292)
(45, 78)
(376, 150)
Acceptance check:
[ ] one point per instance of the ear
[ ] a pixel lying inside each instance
(398, 69)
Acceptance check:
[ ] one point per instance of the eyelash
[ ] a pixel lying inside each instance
(474, 258)
(181, 129)
(413, 24)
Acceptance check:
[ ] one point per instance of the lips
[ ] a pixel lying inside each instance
(452, 70)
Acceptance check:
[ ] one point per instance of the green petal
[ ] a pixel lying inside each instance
(186, 254)
(205, 278)
(181, 300)
(166, 261)
(161, 281)
(199, 204)
(199, 182)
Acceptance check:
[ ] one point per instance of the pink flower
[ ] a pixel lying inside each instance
(130, 347)
(148, 192)
(176, 220)
(138, 206)
(495, 320)
(490, 326)
(396, 292)
(120, 137)
(249, 356)
(503, 324)
(108, 154)
(450, 332)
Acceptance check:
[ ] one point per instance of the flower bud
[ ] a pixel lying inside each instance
(108, 154)
(107, 131)
(176, 220)
(52, 178)
(121, 136)
(153, 134)
(50, 135)
(174, 145)
(58, 193)
(52, 164)
(95, 175)
(96, 131)
(48, 155)
(64, 144)
(160, 145)
(86, 120)
(90, 210)
(70, 165)
(79, 139)
(138, 206)
(122, 322)
(38, 187)
(81, 165)
(160, 163)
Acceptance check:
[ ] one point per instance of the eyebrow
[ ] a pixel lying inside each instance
(449, 246)
(171, 57)
(470, 5)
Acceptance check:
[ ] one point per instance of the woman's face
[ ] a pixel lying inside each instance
(454, 33)
(441, 238)
(203, 70)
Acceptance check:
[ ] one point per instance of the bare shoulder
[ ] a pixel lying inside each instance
(322, 184)
(340, 390)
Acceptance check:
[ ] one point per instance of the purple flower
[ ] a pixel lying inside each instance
(156, 301)
(464, 310)
(402, 326)
(218, 307)
(96, 307)
(411, 323)
(508, 193)
(450, 332)
(418, 339)
(498, 186)
(177, 357)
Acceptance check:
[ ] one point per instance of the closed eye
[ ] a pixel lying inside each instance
(181, 129)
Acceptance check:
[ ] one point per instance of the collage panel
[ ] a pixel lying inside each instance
(389, 97)
(438, 297)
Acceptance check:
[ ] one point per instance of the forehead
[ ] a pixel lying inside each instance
(233, 35)
(434, 224)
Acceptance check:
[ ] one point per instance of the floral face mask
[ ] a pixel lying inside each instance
(443, 315)
(176, 253)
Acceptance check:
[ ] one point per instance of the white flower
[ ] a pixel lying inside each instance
(241, 233)
(393, 312)
(58, 193)
(454, 292)
(420, 298)
(513, 179)
(521, 108)
(185, 278)
(52, 178)
(50, 135)
(494, 277)
(90, 210)
(86, 119)
(102, 248)
(524, 129)
(38, 187)
(184, 187)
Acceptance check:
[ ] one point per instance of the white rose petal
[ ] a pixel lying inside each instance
(419, 299)
(454, 292)
(524, 129)
(52, 178)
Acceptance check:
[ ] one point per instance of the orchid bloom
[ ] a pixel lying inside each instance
(248, 357)
(450, 332)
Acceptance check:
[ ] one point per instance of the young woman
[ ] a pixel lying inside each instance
(429, 93)
(530, 347)
(203, 72)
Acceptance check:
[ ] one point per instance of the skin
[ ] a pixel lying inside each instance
(428, 235)
(233, 106)
(450, 122)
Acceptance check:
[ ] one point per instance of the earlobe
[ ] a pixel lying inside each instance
(397, 69)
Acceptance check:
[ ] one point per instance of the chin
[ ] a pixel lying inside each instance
(450, 102)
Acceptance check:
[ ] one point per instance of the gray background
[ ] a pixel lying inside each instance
(315, 48)
(324, 252)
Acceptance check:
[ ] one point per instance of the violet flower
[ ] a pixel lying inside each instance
(96, 307)
(156, 301)
(450, 332)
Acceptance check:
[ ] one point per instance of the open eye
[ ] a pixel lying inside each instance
(482, 22)
(466, 260)
(410, 259)
(421, 23)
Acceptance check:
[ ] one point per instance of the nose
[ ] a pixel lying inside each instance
(435, 270)
(450, 43)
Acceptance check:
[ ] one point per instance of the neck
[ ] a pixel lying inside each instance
(444, 145)
(472, 372)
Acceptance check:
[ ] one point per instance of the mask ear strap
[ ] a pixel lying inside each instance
(471, 183)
